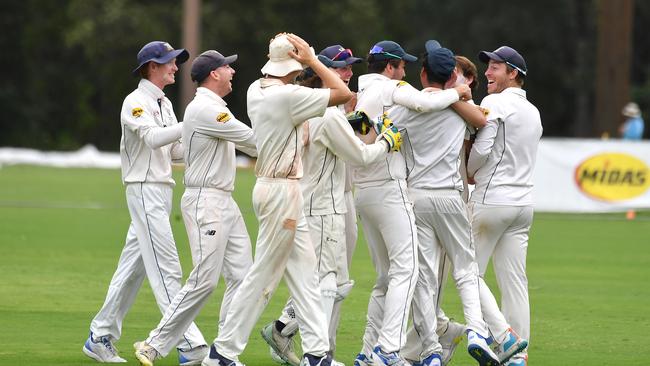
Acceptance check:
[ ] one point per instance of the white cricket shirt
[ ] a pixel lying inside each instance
(503, 156)
(277, 112)
(377, 93)
(210, 132)
(332, 143)
(149, 126)
(436, 139)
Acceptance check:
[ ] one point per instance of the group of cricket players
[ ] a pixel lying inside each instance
(399, 159)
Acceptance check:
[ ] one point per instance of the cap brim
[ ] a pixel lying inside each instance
(331, 63)
(352, 60)
(409, 58)
(230, 59)
(485, 57)
(281, 68)
(181, 55)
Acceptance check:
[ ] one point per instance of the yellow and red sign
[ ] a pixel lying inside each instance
(613, 177)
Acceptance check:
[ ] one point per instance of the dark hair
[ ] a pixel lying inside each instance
(431, 76)
(469, 70)
(378, 66)
(310, 80)
(520, 78)
(144, 70)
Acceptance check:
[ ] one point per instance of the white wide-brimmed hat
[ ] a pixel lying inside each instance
(280, 63)
(631, 110)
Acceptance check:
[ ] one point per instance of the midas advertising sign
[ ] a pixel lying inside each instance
(612, 177)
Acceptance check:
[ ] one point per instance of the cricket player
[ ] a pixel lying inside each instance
(502, 161)
(384, 207)
(277, 109)
(330, 144)
(215, 226)
(441, 215)
(150, 140)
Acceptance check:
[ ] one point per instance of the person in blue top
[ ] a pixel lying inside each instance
(632, 128)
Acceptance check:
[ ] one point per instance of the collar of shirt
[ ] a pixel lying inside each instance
(202, 91)
(367, 79)
(151, 89)
(518, 91)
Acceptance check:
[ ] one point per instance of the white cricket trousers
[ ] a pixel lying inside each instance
(149, 250)
(444, 229)
(389, 226)
(501, 232)
(218, 239)
(351, 234)
(283, 248)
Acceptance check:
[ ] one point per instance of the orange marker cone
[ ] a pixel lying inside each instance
(630, 215)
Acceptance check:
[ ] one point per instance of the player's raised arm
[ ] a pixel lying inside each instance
(339, 92)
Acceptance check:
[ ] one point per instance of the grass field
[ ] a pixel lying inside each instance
(63, 230)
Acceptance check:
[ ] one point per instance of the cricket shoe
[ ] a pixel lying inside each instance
(392, 358)
(478, 348)
(193, 356)
(311, 360)
(518, 360)
(145, 354)
(215, 359)
(512, 345)
(101, 350)
(283, 346)
(362, 360)
(337, 363)
(433, 359)
(450, 339)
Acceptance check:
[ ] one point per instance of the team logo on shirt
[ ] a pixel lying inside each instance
(401, 83)
(612, 177)
(485, 111)
(137, 112)
(223, 117)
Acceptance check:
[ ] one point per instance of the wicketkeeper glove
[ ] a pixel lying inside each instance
(385, 129)
(359, 121)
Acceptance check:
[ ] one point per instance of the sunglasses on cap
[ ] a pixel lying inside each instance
(343, 55)
(516, 67)
(375, 50)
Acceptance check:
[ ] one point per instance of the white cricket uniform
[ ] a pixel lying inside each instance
(150, 134)
(277, 112)
(215, 227)
(502, 161)
(435, 185)
(332, 144)
(386, 214)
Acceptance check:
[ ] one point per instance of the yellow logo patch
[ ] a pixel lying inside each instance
(401, 83)
(223, 117)
(485, 111)
(137, 112)
(612, 177)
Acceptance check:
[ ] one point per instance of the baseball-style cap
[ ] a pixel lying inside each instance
(338, 56)
(440, 61)
(160, 53)
(505, 54)
(387, 50)
(280, 63)
(209, 60)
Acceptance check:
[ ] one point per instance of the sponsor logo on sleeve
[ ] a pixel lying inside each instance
(612, 177)
(137, 112)
(401, 83)
(223, 117)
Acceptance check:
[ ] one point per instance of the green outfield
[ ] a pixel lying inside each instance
(63, 230)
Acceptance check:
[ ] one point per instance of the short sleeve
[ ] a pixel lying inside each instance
(308, 103)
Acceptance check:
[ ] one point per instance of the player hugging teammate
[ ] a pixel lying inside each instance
(399, 149)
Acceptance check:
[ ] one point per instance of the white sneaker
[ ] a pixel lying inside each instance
(450, 339)
(480, 351)
(101, 350)
(337, 363)
(215, 359)
(283, 346)
(145, 353)
(311, 360)
(193, 356)
(379, 357)
(363, 360)
(512, 345)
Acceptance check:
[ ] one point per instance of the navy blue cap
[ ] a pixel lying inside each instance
(338, 56)
(440, 61)
(387, 50)
(160, 53)
(209, 60)
(505, 54)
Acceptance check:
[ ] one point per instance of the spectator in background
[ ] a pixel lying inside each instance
(632, 128)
